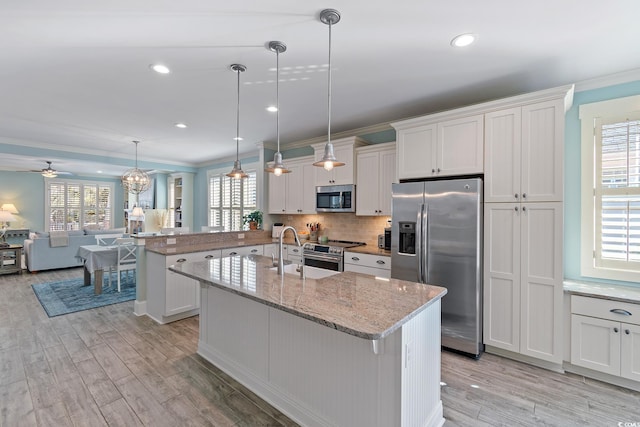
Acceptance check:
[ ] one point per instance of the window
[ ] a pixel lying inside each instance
(230, 199)
(74, 205)
(611, 189)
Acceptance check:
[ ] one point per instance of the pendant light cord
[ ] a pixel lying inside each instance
(238, 119)
(278, 96)
(329, 97)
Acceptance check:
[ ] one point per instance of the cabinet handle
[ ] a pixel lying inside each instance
(524, 195)
(516, 196)
(253, 251)
(516, 209)
(380, 261)
(355, 258)
(524, 208)
(181, 260)
(296, 250)
(438, 170)
(233, 253)
(615, 330)
(208, 256)
(626, 331)
(433, 171)
(620, 311)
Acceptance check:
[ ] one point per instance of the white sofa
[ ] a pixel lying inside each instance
(40, 255)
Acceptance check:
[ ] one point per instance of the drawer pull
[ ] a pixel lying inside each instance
(233, 253)
(209, 256)
(380, 261)
(615, 330)
(355, 258)
(253, 251)
(620, 311)
(626, 331)
(181, 260)
(295, 250)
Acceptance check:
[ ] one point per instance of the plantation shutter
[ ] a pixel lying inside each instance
(617, 193)
(73, 205)
(230, 199)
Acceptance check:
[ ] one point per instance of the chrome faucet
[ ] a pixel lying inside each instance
(280, 258)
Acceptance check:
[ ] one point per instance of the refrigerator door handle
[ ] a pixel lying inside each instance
(424, 234)
(418, 242)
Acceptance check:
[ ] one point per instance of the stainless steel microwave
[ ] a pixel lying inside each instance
(336, 198)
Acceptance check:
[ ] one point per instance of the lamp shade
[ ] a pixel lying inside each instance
(137, 214)
(10, 207)
(6, 216)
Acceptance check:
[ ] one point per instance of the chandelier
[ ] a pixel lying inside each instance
(134, 180)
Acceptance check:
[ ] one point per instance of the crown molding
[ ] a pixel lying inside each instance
(608, 80)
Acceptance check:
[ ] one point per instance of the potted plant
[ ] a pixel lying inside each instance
(254, 219)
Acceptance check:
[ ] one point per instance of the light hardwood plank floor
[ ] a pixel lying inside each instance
(108, 367)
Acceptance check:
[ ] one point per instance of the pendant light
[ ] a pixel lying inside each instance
(237, 172)
(134, 180)
(329, 161)
(278, 167)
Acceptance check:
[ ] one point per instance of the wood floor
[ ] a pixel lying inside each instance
(107, 367)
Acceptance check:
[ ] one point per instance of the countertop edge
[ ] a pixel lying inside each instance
(610, 292)
(315, 319)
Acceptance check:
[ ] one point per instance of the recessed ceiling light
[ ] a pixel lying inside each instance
(272, 108)
(160, 69)
(180, 125)
(463, 40)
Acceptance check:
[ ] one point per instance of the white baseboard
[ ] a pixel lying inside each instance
(526, 359)
(140, 308)
(600, 376)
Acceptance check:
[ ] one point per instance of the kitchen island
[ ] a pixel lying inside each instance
(346, 350)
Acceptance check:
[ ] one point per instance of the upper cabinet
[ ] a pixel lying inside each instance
(294, 192)
(524, 153)
(430, 147)
(376, 171)
(344, 152)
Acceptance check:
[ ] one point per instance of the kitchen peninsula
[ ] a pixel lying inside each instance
(349, 349)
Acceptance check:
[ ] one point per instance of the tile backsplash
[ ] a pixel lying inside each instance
(340, 226)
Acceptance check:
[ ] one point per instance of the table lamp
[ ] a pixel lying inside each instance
(5, 218)
(137, 215)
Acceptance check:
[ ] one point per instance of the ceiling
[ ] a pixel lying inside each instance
(75, 75)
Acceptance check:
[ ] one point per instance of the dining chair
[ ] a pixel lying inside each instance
(126, 257)
(107, 239)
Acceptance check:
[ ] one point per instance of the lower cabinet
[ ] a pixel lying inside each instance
(171, 296)
(375, 265)
(523, 289)
(605, 336)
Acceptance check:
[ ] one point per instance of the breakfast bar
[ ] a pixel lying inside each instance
(348, 349)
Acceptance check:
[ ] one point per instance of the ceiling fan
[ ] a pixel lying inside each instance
(49, 172)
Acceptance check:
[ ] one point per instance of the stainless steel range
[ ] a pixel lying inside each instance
(328, 255)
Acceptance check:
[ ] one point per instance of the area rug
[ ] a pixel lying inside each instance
(69, 296)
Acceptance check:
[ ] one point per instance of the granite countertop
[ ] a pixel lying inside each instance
(353, 303)
(603, 290)
(211, 246)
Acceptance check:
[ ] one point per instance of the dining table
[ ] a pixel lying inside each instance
(96, 259)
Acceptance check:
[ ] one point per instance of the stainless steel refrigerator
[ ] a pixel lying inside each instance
(436, 238)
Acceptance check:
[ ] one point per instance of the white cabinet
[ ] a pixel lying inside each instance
(523, 278)
(524, 153)
(172, 296)
(344, 152)
(180, 199)
(431, 148)
(294, 192)
(376, 171)
(375, 265)
(294, 254)
(605, 336)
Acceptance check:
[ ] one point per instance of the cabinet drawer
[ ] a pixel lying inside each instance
(368, 260)
(606, 309)
(294, 250)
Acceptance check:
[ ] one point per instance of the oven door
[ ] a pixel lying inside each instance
(321, 261)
